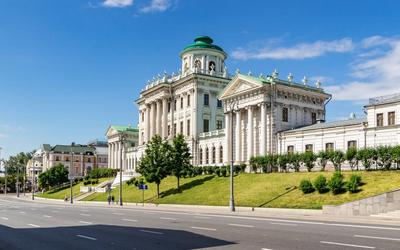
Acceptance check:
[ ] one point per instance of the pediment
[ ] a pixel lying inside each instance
(111, 131)
(240, 84)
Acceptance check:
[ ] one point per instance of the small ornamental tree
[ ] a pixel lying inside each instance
(321, 185)
(180, 158)
(337, 158)
(309, 158)
(351, 158)
(384, 157)
(336, 183)
(282, 161)
(306, 186)
(295, 161)
(366, 156)
(323, 157)
(396, 155)
(155, 161)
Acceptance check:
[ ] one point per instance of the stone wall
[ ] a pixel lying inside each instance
(373, 205)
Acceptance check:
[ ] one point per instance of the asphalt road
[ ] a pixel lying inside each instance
(27, 225)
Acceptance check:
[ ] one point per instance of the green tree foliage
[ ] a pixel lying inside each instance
(396, 155)
(321, 184)
(154, 165)
(295, 161)
(308, 158)
(366, 156)
(306, 186)
(351, 158)
(323, 157)
(353, 183)
(384, 157)
(180, 158)
(337, 158)
(336, 183)
(55, 176)
(282, 162)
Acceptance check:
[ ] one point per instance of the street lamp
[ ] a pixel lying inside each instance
(122, 139)
(33, 179)
(17, 184)
(5, 174)
(70, 176)
(231, 107)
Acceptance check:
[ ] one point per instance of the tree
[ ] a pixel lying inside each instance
(180, 158)
(55, 176)
(351, 157)
(337, 158)
(155, 162)
(308, 158)
(384, 157)
(396, 155)
(16, 166)
(295, 161)
(282, 161)
(323, 159)
(366, 156)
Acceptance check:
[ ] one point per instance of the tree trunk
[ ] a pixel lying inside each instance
(158, 190)
(178, 182)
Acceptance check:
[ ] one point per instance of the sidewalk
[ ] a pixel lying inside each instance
(275, 213)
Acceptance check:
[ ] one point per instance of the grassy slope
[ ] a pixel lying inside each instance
(267, 190)
(60, 194)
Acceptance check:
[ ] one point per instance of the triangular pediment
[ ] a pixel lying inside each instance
(111, 131)
(240, 84)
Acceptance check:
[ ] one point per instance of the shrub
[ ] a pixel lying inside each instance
(353, 183)
(336, 183)
(306, 186)
(217, 171)
(321, 185)
(223, 171)
(131, 181)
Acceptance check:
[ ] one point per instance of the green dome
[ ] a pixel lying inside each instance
(202, 42)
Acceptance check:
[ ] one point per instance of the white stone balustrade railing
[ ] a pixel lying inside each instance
(213, 133)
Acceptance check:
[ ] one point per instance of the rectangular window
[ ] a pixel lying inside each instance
(329, 147)
(313, 118)
(309, 148)
(188, 100)
(174, 129)
(219, 124)
(391, 118)
(379, 120)
(206, 99)
(67, 158)
(169, 107)
(57, 158)
(143, 138)
(221, 154)
(219, 104)
(188, 128)
(142, 116)
(175, 105)
(285, 115)
(290, 150)
(181, 102)
(206, 125)
(201, 157)
(181, 128)
(169, 130)
(352, 144)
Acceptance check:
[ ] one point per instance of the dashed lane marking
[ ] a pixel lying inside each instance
(204, 228)
(346, 245)
(241, 225)
(150, 232)
(85, 237)
(33, 225)
(376, 237)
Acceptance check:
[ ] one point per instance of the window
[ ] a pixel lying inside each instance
(206, 126)
(207, 156)
(206, 99)
(181, 102)
(175, 105)
(391, 118)
(290, 150)
(329, 147)
(188, 128)
(352, 144)
(219, 124)
(379, 120)
(67, 158)
(309, 148)
(313, 118)
(197, 64)
(188, 100)
(285, 117)
(142, 138)
(201, 157)
(57, 158)
(169, 107)
(181, 128)
(169, 130)
(174, 129)
(219, 104)
(213, 155)
(211, 66)
(142, 116)
(221, 154)
(89, 160)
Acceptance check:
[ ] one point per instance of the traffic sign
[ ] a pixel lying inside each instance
(143, 187)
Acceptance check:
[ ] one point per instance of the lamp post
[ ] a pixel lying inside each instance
(33, 180)
(5, 176)
(231, 196)
(122, 139)
(70, 176)
(17, 184)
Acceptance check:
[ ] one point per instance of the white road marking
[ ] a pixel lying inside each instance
(347, 245)
(266, 249)
(167, 218)
(240, 225)
(22, 212)
(4, 218)
(86, 237)
(149, 213)
(84, 214)
(33, 225)
(131, 220)
(202, 217)
(283, 224)
(151, 232)
(85, 222)
(204, 228)
(117, 214)
(47, 216)
(375, 237)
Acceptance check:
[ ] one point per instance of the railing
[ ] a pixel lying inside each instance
(212, 133)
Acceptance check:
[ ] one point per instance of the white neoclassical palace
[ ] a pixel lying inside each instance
(224, 116)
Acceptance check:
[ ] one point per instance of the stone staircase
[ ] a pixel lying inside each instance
(93, 190)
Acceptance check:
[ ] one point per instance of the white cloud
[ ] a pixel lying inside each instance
(156, 6)
(374, 75)
(117, 3)
(299, 51)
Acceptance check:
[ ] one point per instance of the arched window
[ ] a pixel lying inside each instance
(221, 154)
(213, 155)
(201, 157)
(197, 64)
(207, 156)
(211, 66)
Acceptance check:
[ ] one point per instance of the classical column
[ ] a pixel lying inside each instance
(238, 137)
(263, 129)
(109, 155)
(250, 129)
(165, 118)
(227, 148)
(172, 134)
(217, 154)
(158, 118)
(153, 120)
(193, 120)
(118, 158)
(147, 124)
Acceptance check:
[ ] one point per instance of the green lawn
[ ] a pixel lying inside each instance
(256, 190)
(61, 193)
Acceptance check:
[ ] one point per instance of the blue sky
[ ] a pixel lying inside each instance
(70, 68)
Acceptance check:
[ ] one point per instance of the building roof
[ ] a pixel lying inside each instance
(74, 148)
(332, 124)
(121, 128)
(384, 99)
(202, 42)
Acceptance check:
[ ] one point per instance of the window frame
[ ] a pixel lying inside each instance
(206, 99)
(391, 118)
(208, 125)
(329, 149)
(379, 120)
(285, 114)
(310, 146)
